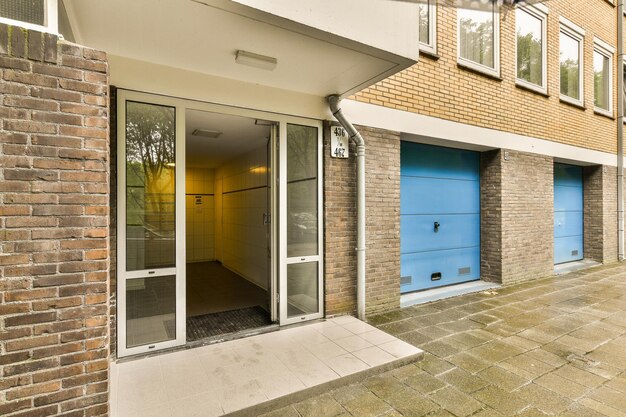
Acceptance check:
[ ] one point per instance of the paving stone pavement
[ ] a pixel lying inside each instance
(554, 346)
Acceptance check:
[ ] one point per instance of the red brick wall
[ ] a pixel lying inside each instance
(54, 227)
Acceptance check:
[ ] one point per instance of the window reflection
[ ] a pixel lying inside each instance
(529, 48)
(476, 36)
(302, 227)
(150, 186)
(570, 66)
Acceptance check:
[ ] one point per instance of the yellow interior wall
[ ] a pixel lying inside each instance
(200, 214)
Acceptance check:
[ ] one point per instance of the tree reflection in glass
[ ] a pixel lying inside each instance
(150, 186)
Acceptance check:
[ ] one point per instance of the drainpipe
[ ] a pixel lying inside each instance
(620, 128)
(333, 102)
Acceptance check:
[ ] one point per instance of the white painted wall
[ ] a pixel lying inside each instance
(435, 131)
(242, 238)
(159, 79)
(392, 26)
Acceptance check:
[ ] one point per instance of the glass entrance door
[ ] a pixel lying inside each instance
(301, 285)
(151, 288)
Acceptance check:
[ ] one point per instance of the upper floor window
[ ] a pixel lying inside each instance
(479, 39)
(602, 76)
(571, 62)
(530, 25)
(41, 15)
(428, 26)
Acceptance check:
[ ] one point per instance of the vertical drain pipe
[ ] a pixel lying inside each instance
(333, 102)
(620, 128)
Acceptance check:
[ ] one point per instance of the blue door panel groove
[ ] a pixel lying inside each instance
(439, 216)
(567, 223)
(421, 195)
(568, 198)
(418, 160)
(568, 213)
(455, 230)
(449, 263)
(568, 249)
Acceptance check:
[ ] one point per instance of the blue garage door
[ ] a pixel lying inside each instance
(568, 213)
(439, 216)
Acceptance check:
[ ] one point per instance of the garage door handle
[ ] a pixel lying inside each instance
(437, 227)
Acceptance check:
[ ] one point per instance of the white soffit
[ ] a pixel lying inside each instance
(204, 35)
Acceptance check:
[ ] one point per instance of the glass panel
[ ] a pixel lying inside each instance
(29, 11)
(570, 66)
(601, 80)
(424, 22)
(150, 186)
(476, 36)
(302, 289)
(150, 310)
(302, 227)
(529, 48)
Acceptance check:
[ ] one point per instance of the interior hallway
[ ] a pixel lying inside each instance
(219, 301)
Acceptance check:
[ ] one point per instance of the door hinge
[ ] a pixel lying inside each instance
(278, 297)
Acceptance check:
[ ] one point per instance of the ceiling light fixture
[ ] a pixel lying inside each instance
(206, 133)
(255, 60)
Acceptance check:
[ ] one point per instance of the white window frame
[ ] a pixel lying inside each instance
(576, 32)
(607, 51)
(431, 47)
(495, 71)
(540, 12)
(51, 19)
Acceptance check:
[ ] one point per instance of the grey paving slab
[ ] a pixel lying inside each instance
(554, 346)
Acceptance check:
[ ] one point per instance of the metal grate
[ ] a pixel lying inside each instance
(214, 324)
(29, 11)
(575, 253)
(406, 280)
(465, 271)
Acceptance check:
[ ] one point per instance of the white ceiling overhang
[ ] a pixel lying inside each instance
(204, 35)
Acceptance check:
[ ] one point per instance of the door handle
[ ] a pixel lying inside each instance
(437, 227)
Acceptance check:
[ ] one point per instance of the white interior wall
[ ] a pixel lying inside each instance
(241, 201)
(200, 214)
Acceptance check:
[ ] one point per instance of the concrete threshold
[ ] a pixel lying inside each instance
(568, 267)
(250, 376)
(427, 296)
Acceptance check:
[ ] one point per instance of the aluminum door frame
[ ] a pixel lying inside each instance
(282, 204)
(278, 220)
(124, 96)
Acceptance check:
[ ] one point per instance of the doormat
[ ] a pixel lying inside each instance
(215, 324)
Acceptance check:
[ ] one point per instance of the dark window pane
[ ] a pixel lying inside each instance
(302, 289)
(150, 310)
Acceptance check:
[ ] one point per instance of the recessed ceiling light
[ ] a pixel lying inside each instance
(255, 60)
(206, 133)
(170, 165)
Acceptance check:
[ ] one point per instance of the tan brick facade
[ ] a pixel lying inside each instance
(382, 225)
(600, 213)
(440, 88)
(54, 209)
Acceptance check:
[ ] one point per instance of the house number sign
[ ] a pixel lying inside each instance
(338, 142)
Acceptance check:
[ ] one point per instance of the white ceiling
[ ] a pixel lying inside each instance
(190, 35)
(239, 135)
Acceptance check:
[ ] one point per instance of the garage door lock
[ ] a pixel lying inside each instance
(437, 227)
